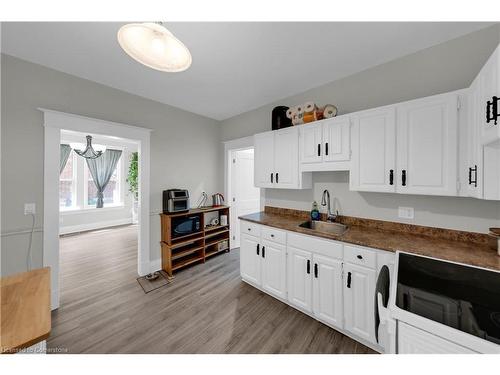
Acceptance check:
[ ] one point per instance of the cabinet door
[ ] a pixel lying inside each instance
(250, 259)
(489, 87)
(359, 292)
(299, 278)
(311, 143)
(474, 166)
(263, 159)
(336, 139)
(327, 290)
(427, 146)
(412, 340)
(286, 158)
(274, 268)
(373, 150)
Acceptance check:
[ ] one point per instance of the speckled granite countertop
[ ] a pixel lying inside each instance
(456, 246)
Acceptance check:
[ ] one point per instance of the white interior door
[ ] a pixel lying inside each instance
(245, 197)
(374, 150)
(427, 146)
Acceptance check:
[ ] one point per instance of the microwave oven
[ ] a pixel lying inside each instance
(183, 226)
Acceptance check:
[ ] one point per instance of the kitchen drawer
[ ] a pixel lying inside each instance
(250, 228)
(316, 245)
(273, 234)
(360, 255)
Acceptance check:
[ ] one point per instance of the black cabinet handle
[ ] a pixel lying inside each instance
(473, 181)
(249, 229)
(308, 266)
(319, 149)
(326, 148)
(276, 177)
(360, 257)
(258, 247)
(316, 270)
(271, 178)
(348, 279)
(263, 251)
(403, 177)
(492, 110)
(391, 177)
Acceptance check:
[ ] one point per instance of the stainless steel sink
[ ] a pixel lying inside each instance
(336, 229)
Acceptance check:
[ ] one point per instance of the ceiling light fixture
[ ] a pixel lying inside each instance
(153, 45)
(89, 152)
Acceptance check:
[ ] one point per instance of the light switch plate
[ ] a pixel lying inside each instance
(29, 208)
(406, 212)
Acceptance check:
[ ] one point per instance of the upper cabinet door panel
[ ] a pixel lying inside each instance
(286, 158)
(373, 150)
(311, 143)
(264, 159)
(427, 146)
(336, 139)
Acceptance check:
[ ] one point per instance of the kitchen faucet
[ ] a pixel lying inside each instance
(325, 201)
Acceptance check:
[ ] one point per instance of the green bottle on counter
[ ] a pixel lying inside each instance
(314, 211)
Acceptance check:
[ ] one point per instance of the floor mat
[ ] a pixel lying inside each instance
(150, 285)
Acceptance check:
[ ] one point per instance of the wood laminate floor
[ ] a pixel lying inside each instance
(206, 309)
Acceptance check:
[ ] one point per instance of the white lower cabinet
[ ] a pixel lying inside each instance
(327, 290)
(250, 258)
(359, 292)
(413, 340)
(299, 278)
(273, 258)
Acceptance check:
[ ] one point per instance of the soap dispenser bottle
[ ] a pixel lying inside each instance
(314, 211)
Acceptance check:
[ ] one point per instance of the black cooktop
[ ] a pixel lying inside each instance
(461, 297)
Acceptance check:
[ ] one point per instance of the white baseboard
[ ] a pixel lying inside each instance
(92, 226)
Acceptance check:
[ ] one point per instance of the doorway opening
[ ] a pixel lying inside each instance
(82, 199)
(243, 196)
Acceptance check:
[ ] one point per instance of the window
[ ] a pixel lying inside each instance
(112, 192)
(77, 190)
(68, 185)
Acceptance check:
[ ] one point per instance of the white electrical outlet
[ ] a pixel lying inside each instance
(29, 208)
(406, 212)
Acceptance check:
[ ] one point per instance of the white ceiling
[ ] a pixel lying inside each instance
(236, 66)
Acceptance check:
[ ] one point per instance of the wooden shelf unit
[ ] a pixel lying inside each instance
(180, 252)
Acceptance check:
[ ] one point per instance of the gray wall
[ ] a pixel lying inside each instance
(445, 67)
(185, 148)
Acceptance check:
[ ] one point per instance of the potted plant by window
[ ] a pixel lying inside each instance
(133, 183)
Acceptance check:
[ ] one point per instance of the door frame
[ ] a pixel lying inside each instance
(229, 147)
(54, 122)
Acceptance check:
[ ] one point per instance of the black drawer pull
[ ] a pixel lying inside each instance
(271, 178)
(263, 251)
(249, 229)
(319, 149)
(403, 177)
(258, 247)
(348, 279)
(360, 257)
(326, 148)
(272, 235)
(276, 177)
(391, 177)
(316, 270)
(308, 270)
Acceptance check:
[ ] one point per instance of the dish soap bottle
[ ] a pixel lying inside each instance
(314, 211)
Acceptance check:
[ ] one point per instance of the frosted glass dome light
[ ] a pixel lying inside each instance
(153, 45)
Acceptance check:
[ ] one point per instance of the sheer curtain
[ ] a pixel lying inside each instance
(101, 170)
(65, 152)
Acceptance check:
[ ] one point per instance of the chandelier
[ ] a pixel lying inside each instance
(89, 152)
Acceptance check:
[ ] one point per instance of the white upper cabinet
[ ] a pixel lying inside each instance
(427, 145)
(277, 160)
(264, 159)
(489, 81)
(325, 145)
(474, 165)
(373, 143)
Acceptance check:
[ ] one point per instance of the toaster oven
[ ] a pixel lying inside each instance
(175, 200)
